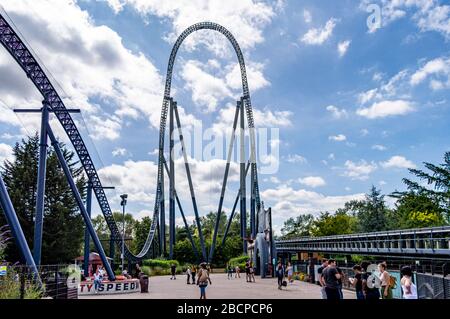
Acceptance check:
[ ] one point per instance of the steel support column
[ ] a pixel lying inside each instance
(224, 184)
(40, 195)
(171, 181)
(243, 189)
(87, 237)
(16, 230)
(112, 249)
(191, 186)
(79, 200)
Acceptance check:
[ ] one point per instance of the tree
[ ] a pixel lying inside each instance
(141, 229)
(438, 181)
(414, 210)
(208, 223)
(298, 227)
(63, 224)
(372, 215)
(338, 224)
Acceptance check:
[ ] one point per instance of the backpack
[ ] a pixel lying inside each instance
(392, 282)
(373, 281)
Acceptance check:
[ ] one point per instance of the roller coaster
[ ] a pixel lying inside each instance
(260, 221)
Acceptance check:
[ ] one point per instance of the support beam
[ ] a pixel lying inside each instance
(112, 249)
(224, 184)
(86, 231)
(184, 219)
(191, 187)
(230, 220)
(40, 195)
(162, 212)
(16, 230)
(171, 181)
(243, 189)
(79, 201)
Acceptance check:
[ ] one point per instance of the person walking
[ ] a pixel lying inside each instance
(341, 273)
(247, 271)
(290, 272)
(280, 274)
(252, 273)
(193, 273)
(237, 273)
(173, 271)
(409, 289)
(321, 282)
(230, 272)
(357, 282)
(188, 275)
(331, 278)
(203, 280)
(385, 277)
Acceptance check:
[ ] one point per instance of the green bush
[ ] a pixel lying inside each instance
(162, 263)
(238, 261)
(161, 267)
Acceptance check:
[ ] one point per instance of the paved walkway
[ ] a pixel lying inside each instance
(161, 287)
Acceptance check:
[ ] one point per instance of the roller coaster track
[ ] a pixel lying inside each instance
(248, 108)
(23, 56)
(19, 51)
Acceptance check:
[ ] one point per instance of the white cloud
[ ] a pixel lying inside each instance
(295, 158)
(290, 202)
(255, 76)
(439, 72)
(331, 156)
(429, 15)
(379, 147)
(6, 153)
(364, 132)
(336, 112)
(312, 181)
(119, 151)
(398, 162)
(360, 170)
(263, 118)
(338, 138)
(317, 36)
(377, 76)
(386, 108)
(343, 47)
(307, 16)
(245, 19)
(88, 60)
(207, 90)
(387, 90)
(382, 183)
(275, 180)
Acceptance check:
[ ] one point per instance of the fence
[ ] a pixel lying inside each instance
(18, 283)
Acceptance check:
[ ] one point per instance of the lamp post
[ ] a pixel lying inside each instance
(123, 203)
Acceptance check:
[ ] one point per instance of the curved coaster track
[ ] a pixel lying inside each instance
(10, 39)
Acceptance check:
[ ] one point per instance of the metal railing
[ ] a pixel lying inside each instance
(424, 242)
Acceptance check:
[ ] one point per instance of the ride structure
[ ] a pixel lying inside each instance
(155, 242)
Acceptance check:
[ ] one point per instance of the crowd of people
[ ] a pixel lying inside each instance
(236, 270)
(368, 284)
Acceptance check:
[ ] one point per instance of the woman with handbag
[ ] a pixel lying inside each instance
(203, 279)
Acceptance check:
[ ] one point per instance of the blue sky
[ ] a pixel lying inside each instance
(354, 105)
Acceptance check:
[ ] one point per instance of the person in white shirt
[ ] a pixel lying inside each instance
(408, 287)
